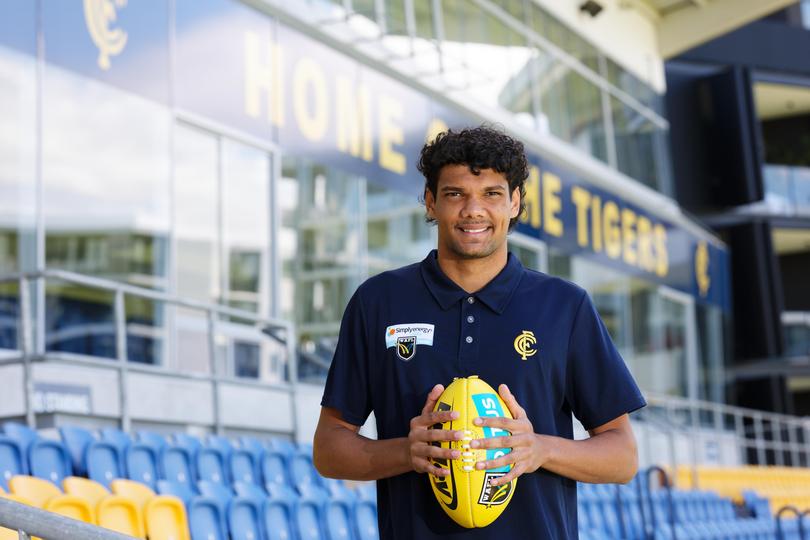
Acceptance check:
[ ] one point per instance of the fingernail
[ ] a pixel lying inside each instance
(456, 454)
(474, 443)
(478, 421)
(480, 465)
(458, 435)
(454, 415)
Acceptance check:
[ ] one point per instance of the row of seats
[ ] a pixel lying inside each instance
(782, 485)
(634, 512)
(242, 489)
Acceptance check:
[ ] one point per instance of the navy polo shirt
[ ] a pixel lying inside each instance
(406, 330)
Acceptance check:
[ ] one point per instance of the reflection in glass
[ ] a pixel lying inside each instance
(105, 167)
(79, 320)
(17, 181)
(640, 147)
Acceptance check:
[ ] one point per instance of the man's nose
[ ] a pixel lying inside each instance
(473, 207)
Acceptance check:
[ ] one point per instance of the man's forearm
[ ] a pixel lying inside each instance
(608, 457)
(341, 453)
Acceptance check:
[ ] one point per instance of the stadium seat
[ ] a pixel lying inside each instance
(119, 438)
(302, 471)
(211, 465)
(49, 459)
(141, 464)
(218, 492)
(136, 491)
(245, 520)
(286, 447)
(154, 440)
(337, 519)
(241, 467)
(206, 516)
(103, 462)
(282, 492)
(21, 433)
(166, 519)
(43, 494)
(12, 460)
(307, 519)
(256, 448)
(274, 468)
(191, 445)
(114, 512)
(365, 520)
(278, 522)
(76, 441)
(176, 465)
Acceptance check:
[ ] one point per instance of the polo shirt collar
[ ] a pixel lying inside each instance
(495, 294)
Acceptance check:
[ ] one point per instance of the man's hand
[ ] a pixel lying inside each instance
(528, 453)
(420, 436)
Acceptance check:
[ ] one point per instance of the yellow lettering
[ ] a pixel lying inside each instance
(308, 79)
(646, 259)
(263, 78)
(613, 242)
(532, 199)
(662, 259)
(629, 236)
(596, 223)
(552, 204)
(435, 127)
(582, 199)
(391, 133)
(353, 123)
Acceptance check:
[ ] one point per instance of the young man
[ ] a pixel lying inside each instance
(460, 312)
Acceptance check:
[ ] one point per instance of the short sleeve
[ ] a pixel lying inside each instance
(347, 382)
(599, 386)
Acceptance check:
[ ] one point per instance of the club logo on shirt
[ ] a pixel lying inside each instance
(405, 337)
(524, 344)
(406, 347)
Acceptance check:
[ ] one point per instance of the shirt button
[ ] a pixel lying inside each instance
(470, 319)
(469, 339)
(470, 300)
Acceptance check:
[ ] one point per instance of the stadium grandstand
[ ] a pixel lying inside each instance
(191, 191)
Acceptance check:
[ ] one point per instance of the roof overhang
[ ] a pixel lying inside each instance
(684, 24)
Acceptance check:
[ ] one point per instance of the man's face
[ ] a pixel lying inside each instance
(472, 212)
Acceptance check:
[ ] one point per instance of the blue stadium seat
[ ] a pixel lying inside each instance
(274, 468)
(286, 447)
(245, 520)
(278, 522)
(307, 519)
(248, 490)
(191, 445)
(49, 460)
(12, 460)
(210, 465)
(205, 514)
(152, 439)
(337, 520)
(21, 433)
(76, 440)
(367, 491)
(337, 490)
(281, 492)
(302, 471)
(220, 493)
(176, 465)
(223, 444)
(141, 464)
(103, 462)
(365, 520)
(241, 467)
(119, 438)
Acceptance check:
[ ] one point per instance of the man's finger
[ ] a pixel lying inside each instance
(516, 471)
(434, 452)
(495, 442)
(511, 402)
(507, 459)
(432, 398)
(436, 435)
(512, 426)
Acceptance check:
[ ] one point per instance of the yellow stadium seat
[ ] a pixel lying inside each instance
(140, 493)
(36, 490)
(72, 507)
(122, 515)
(114, 512)
(166, 519)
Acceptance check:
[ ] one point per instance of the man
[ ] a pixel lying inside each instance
(460, 312)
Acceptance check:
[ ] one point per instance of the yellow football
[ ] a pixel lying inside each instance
(466, 495)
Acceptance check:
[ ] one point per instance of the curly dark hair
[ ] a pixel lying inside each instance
(482, 147)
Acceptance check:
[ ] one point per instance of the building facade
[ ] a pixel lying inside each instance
(261, 155)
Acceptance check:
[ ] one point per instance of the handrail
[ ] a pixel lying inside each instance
(30, 521)
(281, 331)
(670, 502)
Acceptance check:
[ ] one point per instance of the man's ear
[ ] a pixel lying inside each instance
(515, 203)
(430, 202)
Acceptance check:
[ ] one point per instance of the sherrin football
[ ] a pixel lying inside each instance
(466, 494)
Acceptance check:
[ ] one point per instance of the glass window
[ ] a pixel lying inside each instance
(710, 329)
(246, 226)
(805, 7)
(105, 166)
(17, 178)
(641, 147)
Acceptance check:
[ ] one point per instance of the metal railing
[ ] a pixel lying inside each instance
(30, 521)
(32, 317)
(760, 438)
